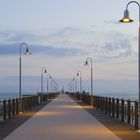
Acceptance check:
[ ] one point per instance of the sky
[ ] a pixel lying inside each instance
(61, 34)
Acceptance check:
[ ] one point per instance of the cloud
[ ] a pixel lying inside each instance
(112, 22)
(65, 32)
(110, 50)
(8, 49)
(13, 49)
(14, 36)
(117, 49)
(69, 41)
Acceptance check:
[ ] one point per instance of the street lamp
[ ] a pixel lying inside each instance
(43, 70)
(89, 58)
(79, 73)
(51, 82)
(53, 86)
(126, 19)
(20, 88)
(47, 84)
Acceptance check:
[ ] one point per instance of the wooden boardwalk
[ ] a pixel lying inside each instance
(64, 119)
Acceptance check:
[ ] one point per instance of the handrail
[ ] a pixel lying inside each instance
(124, 110)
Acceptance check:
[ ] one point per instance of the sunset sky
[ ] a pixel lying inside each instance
(61, 35)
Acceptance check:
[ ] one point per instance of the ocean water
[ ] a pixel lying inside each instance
(10, 95)
(131, 96)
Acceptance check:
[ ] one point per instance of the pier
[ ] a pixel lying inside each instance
(66, 118)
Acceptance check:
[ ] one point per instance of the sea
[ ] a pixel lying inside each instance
(131, 96)
(10, 95)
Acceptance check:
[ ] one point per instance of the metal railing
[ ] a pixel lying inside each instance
(124, 110)
(10, 107)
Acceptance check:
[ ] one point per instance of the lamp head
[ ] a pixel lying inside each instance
(27, 51)
(45, 71)
(86, 63)
(126, 18)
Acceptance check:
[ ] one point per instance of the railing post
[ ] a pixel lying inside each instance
(17, 106)
(128, 111)
(9, 108)
(106, 103)
(136, 115)
(13, 107)
(122, 110)
(109, 106)
(94, 101)
(117, 108)
(23, 103)
(4, 109)
(103, 104)
(113, 107)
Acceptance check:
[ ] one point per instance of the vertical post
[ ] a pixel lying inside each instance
(41, 87)
(106, 103)
(20, 106)
(9, 108)
(75, 85)
(101, 103)
(13, 107)
(51, 86)
(91, 84)
(113, 107)
(47, 84)
(136, 115)
(109, 106)
(17, 106)
(81, 83)
(117, 108)
(122, 110)
(27, 52)
(128, 111)
(89, 58)
(139, 69)
(23, 104)
(4, 109)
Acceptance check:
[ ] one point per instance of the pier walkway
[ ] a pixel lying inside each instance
(62, 119)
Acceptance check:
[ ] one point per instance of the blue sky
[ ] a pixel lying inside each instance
(61, 35)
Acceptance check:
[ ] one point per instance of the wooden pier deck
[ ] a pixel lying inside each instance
(65, 119)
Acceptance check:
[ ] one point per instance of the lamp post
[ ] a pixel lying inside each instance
(53, 86)
(73, 83)
(43, 70)
(20, 88)
(79, 73)
(90, 59)
(47, 84)
(126, 19)
(51, 82)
